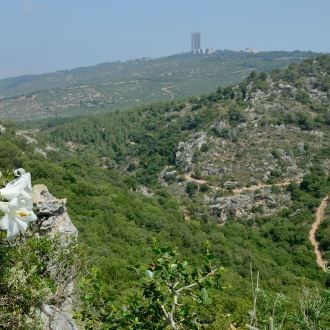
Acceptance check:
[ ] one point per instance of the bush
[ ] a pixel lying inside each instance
(191, 188)
(236, 115)
(32, 272)
(171, 295)
(204, 147)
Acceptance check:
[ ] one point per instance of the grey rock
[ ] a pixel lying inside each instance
(53, 219)
(301, 147)
(2, 129)
(213, 170)
(219, 126)
(185, 154)
(241, 206)
(55, 319)
(51, 212)
(145, 191)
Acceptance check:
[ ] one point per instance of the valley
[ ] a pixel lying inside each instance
(243, 170)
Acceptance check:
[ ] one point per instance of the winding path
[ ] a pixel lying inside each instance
(319, 215)
(188, 177)
(167, 91)
(238, 191)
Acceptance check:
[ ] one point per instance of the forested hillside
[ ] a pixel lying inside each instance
(244, 168)
(120, 85)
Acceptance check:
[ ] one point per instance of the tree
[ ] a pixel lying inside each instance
(172, 295)
(236, 115)
(191, 188)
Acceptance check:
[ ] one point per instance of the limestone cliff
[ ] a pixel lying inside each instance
(53, 220)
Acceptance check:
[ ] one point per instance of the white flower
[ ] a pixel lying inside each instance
(19, 187)
(18, 211)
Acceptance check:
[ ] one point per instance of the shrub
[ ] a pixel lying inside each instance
(171, 295)
(32, 272)
(191, 188)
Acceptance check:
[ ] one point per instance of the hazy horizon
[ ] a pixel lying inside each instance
(145, 57)
(44, 36)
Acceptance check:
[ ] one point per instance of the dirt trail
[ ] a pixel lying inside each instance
(319, 215)
(238, 191)
(167, 91)
(188, 177)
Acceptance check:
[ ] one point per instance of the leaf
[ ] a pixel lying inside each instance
(185, 264)
(173, 266)
(204, 294)
(208, 283)
(149, 274)
(88, 296)
(210, 257)
(156, 251)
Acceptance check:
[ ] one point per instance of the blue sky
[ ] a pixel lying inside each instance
(46, 35)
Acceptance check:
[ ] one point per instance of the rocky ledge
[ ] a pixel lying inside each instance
(53, 220)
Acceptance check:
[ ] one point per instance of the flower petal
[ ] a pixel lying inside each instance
(4, 223)
(22, 225)
(13, 229)
(4, 206)
(14, 187)
(19, 212)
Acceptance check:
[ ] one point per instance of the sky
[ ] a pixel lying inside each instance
(38, 36)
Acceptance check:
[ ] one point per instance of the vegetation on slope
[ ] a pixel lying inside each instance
(118, 85)
(110, 168)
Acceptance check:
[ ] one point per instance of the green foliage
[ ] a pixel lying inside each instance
(191, 188)
(204, 147)
(315, 183)
(33, 271)
(172, 293)
(236, 115)
(314, 310)
(278, 312)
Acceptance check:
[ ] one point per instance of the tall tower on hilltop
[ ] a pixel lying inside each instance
(195, 41)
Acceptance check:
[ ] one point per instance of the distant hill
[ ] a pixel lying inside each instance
(117, 85)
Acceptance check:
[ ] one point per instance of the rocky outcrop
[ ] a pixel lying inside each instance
(52, 214)
(53, 220)
(219, 126)
(186, 150)
(246, 206)
(56, 319)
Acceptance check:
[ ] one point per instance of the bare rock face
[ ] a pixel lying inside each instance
(247, 205)
(185, 154)
(52, 215)
(53, 219)
(55, 319)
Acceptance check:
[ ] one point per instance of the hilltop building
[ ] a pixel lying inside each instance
(250, 50)
(196, 45)
(195, 41)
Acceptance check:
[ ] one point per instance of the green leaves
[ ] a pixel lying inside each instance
(149, 274)
(172, 294)
(32, 272)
